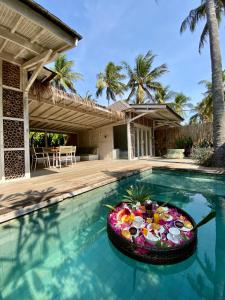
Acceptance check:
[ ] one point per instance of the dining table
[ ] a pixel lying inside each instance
(52, 152)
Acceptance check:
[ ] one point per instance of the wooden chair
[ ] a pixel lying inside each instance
(51, 152)
(65, 154)
(74, 148)
(38, 155)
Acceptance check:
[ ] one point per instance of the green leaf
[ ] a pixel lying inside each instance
(109, 207)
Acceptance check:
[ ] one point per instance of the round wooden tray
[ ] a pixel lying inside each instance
(155, 255)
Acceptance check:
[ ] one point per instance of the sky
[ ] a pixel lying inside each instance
(119, 30)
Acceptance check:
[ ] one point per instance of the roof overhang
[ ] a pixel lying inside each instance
(162, 114)
(56, 111)
(28, 32)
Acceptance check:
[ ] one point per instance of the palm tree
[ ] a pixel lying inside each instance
(213, 15)
(163, 95)
(217, 86)
(179, 103)
(204, 109)
(204, 112)
(111, 80)
(88, 96)
(198, 14)
(65, 76)
(143, 78)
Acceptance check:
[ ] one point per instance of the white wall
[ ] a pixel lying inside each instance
(102, 138)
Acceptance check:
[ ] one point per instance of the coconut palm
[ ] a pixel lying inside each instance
(179, 103)
(204, 109)
(198, 14)
(217, 85)
(65, 76)
(88, 96)
(212, 8)
(163, 95)
(143, 78)
(111, 81)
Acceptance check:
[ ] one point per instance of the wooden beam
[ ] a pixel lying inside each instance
(34, 16)
(72, 107)
(58, 122)
(35, 60)
(10, 58)
(139, 116)
(19, 53)
(50, 130)
(20, 41)
(32, 41)
(42, 31)
(18, 21)
(37, 70)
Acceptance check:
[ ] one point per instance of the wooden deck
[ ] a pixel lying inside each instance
(53, 185)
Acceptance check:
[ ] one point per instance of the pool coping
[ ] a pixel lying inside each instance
(27, 209)
(51, 200)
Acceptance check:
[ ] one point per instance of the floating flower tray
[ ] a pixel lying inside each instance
(153, 232)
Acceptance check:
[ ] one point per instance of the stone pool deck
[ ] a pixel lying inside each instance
(49, 186)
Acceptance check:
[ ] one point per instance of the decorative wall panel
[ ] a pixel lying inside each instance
(14, 164)
(12, 104)
(13, 134)
(10, 75)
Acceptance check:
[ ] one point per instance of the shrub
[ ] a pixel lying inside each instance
(203, 156)
(185, 143)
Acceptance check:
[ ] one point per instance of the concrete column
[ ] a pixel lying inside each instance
(153, 138)
(129, 143)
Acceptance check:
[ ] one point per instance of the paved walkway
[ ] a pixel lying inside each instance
(52, 185)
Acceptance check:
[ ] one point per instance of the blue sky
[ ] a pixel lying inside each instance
(119, 30)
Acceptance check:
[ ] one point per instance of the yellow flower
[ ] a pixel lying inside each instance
(149, 220)
(145, 231)
(125, 233)
(132, 216)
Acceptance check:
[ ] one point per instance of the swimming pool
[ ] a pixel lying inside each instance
(63, 252)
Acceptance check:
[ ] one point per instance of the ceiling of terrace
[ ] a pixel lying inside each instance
(56, 111)
(28, 31)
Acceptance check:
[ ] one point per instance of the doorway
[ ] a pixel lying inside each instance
(143, 141)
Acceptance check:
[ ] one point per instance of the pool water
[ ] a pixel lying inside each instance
(63, 252)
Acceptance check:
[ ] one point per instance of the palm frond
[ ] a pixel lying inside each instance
(194, 16)
(203, 37)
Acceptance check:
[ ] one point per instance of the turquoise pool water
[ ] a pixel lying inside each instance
(62, 252)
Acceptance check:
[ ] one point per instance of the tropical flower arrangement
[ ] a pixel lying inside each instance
(150, 231)
(150, 224)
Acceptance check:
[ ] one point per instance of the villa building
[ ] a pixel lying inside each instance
(31, 37)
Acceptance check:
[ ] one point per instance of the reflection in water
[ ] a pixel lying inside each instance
(63, 252)
(209, 283)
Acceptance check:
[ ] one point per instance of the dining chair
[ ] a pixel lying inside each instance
(38, 155)
(74, 148)
(51, 152)
(65, 154)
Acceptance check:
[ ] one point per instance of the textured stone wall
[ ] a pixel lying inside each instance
(12, 107)
(101, 138)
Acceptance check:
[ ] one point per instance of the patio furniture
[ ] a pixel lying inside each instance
(88, 153)
(175, 154)
(65, 153)
(38, 155)
(52, 153)
(74, 148)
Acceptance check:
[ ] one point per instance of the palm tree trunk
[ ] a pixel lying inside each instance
(217, 86)
(219, 285)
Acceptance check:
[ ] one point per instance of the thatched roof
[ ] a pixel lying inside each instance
(52, 109)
